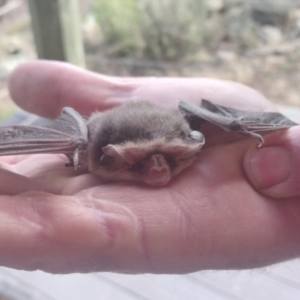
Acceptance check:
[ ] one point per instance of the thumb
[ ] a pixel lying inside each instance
(274, 169)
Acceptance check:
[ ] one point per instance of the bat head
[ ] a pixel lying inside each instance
(143, 142)
(154, 163)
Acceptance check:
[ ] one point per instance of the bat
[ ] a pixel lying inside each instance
(137, 141)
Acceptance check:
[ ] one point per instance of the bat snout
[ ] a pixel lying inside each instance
(156, 170)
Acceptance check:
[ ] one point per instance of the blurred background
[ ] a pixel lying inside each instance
(255, 42)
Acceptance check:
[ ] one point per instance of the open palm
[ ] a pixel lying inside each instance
(213, 215)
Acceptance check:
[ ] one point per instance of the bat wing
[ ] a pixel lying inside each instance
(67, 134)
(233, 120)
(253, 121)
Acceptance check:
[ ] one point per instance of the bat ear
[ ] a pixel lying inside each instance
(184, 151)
(113, 151)
(127, 154)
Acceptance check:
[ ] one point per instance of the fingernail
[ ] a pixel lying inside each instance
(269, 166)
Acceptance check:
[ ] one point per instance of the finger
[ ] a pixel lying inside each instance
(274, 169)
(13, 184)
(45, 87)
(170, 91)
(43, 172)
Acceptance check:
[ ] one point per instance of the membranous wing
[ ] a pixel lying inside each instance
(239, 121)
(67, 134)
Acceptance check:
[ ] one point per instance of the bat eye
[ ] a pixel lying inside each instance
(196, 136)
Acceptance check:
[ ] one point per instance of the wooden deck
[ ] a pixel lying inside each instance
(277, 282)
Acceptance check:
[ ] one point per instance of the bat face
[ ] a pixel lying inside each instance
(139, 141)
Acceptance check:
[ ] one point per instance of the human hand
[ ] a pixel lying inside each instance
(219, 213)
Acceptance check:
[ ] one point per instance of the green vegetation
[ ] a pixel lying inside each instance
(254, 42)
(163, 30)
(175, 30)
(119, 22)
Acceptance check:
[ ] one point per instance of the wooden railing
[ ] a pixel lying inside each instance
(57, 30)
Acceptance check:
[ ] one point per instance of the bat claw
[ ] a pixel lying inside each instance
(258, 138)
(76, 159)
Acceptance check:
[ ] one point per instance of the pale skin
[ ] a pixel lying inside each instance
(226, 211)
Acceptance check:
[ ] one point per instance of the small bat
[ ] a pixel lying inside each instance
(137, 141)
